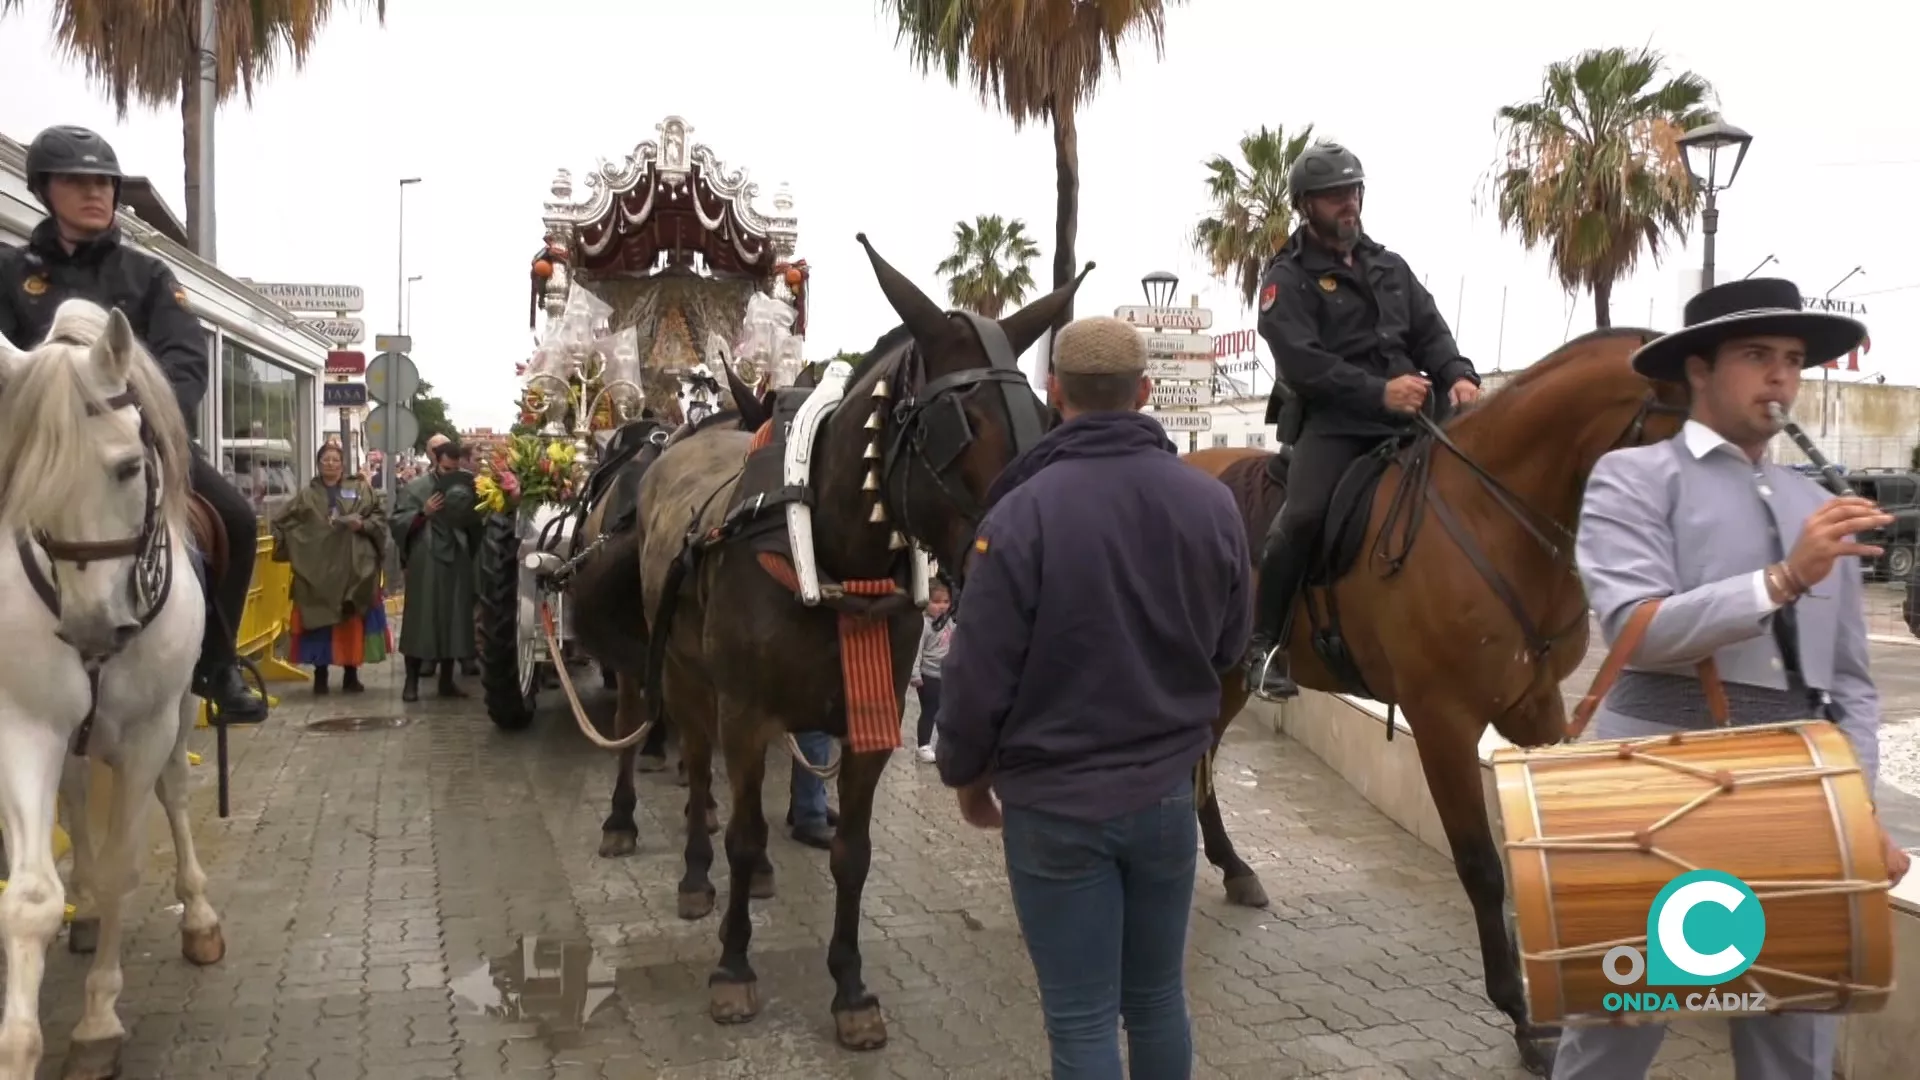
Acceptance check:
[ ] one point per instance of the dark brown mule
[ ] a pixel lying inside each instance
(744, 663)
(1477, 617)
(607, 623)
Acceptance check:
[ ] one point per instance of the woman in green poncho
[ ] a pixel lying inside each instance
(438, 530)
(335, 535)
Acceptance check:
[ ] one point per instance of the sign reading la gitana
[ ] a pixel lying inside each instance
(1704, 930)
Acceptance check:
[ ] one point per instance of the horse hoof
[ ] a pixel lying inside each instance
(650, 763)
(84, 936)
(616, 845)
(696, 905)
(761, 888)
(96, 1060)
(734, 1002)
(1246, 891)
(861, 1029)
(203, 947)
(1537, 1050)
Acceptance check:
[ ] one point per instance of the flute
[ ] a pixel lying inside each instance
(1834, 479)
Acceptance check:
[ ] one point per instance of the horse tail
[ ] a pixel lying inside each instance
(660, 627)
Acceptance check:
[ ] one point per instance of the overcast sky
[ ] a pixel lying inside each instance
(485, 99)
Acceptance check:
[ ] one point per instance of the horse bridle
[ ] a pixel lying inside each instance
(151, 579)
(930, 429)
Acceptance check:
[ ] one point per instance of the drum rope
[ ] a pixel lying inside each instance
(1724, 782)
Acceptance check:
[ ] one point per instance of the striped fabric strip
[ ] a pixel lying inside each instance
(866, 662)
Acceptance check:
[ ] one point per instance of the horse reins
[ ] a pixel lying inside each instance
(1529, 519)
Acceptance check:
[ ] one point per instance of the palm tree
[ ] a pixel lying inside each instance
(1035, 59)
(1594, 169)
(1252, 216)
(987, 272)
(147, 52)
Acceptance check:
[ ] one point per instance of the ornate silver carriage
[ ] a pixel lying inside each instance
(662, 272)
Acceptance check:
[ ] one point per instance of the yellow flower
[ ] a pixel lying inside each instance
(560, 453)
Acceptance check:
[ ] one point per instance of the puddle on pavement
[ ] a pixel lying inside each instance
(557, 984)
(357, 723)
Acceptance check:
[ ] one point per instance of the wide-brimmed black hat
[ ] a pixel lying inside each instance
(1750, 308)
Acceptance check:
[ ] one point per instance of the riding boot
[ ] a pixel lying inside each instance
(447, 689)
(410, 690)
(320, 678)
(350, 680)
(1268, 667)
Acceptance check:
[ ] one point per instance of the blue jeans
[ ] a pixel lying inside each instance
(1104, 907)
(809, 800)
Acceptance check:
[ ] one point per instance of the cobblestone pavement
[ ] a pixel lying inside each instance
(425, 902)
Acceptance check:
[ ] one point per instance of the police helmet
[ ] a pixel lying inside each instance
(1323, 167)
(73, 151)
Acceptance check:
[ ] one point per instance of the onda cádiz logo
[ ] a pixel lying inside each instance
(1704, 929)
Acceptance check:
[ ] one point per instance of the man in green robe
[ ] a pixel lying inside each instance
(439, 534)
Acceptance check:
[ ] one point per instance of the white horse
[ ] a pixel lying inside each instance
(100, 624)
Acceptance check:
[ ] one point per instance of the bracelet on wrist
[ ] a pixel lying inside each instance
(1792, 579)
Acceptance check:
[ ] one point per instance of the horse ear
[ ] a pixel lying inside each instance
(1025, 326)
(923, 318)
(113, 353)
(744, 402)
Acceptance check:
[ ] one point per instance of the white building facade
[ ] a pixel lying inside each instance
(262, 409)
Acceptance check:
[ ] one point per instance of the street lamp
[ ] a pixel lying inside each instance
(400, 259)
(1159, 287)
(1702, 146)
(409, 308)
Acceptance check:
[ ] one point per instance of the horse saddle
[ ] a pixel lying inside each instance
(1343, 527)
(209, 536)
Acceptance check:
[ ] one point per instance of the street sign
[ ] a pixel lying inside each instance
(1179, 346)
(1195, 370)
(340, 331)
(392, 378)
(344, 362)
(1184, 421)
(313, 297)
(1165, 318)
(406, 429)
(392, 343)
(345, 395)
(1167, 396)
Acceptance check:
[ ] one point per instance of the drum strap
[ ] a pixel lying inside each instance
(1618, 657)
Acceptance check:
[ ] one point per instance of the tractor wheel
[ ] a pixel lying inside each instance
(508, 693)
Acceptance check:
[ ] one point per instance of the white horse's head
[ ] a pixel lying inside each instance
(93, 468)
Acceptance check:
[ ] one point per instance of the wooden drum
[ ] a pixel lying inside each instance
(1593, 831)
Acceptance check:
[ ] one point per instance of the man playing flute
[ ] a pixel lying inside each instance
(1756, 566)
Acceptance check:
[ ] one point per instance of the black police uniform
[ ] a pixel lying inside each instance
(34, 282)
(1338, 334)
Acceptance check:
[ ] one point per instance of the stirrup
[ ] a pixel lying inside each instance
(1257, 678)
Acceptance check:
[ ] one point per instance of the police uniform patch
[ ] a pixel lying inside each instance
(1268, 293)
(980, 545)
(1327, 284)
(34, 286)
(180, 296)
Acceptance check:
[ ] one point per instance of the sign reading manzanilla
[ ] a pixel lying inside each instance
(1704, 929)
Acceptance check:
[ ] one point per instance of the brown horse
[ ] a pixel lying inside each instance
(928, 419)
(1477, 618)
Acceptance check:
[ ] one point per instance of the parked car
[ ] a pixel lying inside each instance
(1898, 493)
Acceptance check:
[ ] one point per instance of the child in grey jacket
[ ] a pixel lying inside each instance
(934, 639)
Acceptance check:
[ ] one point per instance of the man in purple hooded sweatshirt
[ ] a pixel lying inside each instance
(1108, 588)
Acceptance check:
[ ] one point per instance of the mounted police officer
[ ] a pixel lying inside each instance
(77, 253)
(1358, 345)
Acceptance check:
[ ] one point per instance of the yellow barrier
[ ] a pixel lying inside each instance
(268, 614)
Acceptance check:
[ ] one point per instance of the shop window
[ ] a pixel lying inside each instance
(1256, 439)
(1220, 439)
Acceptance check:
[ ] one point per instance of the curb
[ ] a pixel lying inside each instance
(1894, 639)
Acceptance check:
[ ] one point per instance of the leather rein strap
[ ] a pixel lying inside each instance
(1623, 649)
